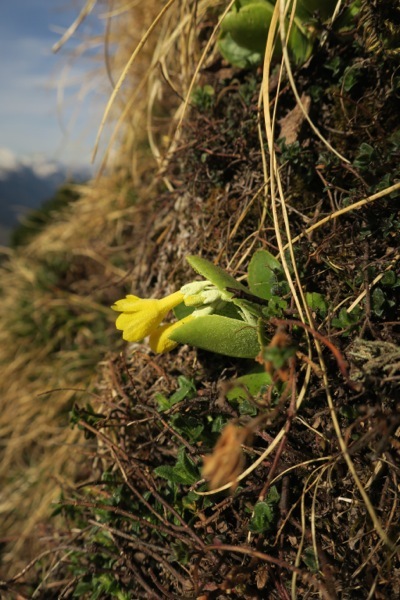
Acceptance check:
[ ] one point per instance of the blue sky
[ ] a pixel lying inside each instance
(33, 117)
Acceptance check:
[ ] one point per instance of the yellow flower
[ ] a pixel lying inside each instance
(140, 317)
(159, 340)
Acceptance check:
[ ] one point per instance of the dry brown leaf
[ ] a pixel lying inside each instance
(291, 123)
(227, 460)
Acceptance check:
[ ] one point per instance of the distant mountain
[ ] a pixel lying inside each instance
(26, 183)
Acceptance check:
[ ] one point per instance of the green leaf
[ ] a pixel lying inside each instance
(273, 496)
(264, 512)
(189, 502)
(181, 311)
(236, 55)
(275, 308)
(244, 33)
(350, 78)
(218, 424)
(186, 390)
(262, 518)
(247, 408)
(162, 401)
(186, 467)
(261, 275)
(168, 472)
(229, 309)
(203, 97)
(249, 26)
(82, 588)
(181, 553)
(389, 278)
(278, 357)
(300, 45)
(347, 320)
(310, 559)
(316, 302)
(366, 154)
(323, 8)
(249, 385)
(190, 427)
(184, 471)
(245, 387)
(334, 65)
(378, 301)
(221, 335)
(220, 278)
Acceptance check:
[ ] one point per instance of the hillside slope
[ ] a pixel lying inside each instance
(299, 206)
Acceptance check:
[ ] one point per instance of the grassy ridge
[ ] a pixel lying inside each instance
(54, 331)
(55, 291)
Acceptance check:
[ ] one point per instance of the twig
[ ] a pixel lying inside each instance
(335, 351)
(275, 561)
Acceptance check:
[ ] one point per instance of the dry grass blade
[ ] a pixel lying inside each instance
(282, 6)
(311, 482)
(200, 63)
(125, 71)
(373, 282)
(355, 206)
(274, 181)
(86, 10)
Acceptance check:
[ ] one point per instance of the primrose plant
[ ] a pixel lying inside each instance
(218, 314)
(244, 30)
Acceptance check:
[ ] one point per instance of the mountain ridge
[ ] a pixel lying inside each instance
(25, 183)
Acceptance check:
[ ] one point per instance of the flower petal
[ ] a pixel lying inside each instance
(141, 316)
(140, 326)
(169, 302)
(124, 320)
(159, 340)
(130, 303)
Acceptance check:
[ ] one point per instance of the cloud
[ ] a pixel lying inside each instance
(8, 161)
(41, 166)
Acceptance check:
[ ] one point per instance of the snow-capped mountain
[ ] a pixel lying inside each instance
(25, 183)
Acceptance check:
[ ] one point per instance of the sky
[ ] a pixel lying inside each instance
(48, 104)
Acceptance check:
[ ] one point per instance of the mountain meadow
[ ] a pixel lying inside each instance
(200, 346)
